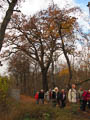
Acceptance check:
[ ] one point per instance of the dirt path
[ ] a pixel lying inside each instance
(26, 99)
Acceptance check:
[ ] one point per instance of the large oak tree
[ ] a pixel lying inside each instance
(40, 36)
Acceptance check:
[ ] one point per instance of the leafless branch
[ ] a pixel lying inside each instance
(8, 2)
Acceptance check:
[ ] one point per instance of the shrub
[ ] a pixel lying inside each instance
(3, 92)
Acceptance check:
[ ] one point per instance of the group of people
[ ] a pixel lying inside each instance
(82, 96)
(58, 97)
(54, 96)
(39, 96)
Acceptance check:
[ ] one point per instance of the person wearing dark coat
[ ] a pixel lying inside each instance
(41, 96)
(63, 98)
(84, 103)
(55, 94)
(80, 97)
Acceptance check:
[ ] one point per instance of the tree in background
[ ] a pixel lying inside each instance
(19, 67)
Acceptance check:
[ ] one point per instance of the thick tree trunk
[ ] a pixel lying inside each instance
(6, 21)
(52, 75)
(69, 68)
(44, 80)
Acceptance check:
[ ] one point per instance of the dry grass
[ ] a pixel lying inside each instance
(18, 111)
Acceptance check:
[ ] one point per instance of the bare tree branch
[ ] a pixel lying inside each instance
(6, 21)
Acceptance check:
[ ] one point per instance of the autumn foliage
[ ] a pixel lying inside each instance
(40, 36)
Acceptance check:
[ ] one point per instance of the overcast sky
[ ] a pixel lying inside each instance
(30, 7)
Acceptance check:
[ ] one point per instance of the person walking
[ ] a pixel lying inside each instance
(88, 98)
(37, 97)
(72, 98)
(63, 98)
(50, 95)
(72, 94)
(80, 97)
(54, 96)
(84, 102)
(58, 98)
(41, 96)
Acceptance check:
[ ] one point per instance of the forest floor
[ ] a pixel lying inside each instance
(27, 109)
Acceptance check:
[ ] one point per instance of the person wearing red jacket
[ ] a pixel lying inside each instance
(84, 100)
(37, 97)
(88, 98)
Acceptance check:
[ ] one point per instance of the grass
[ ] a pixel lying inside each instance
(31, 111)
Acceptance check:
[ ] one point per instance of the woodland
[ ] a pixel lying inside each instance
(45, 50)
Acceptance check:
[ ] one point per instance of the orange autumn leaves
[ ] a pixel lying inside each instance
(59, 20)
(64, 72)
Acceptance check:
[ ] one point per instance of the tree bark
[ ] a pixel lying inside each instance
(67, 59)
(52, 74)
(44, 80)
(69, 68)
(6, 21)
